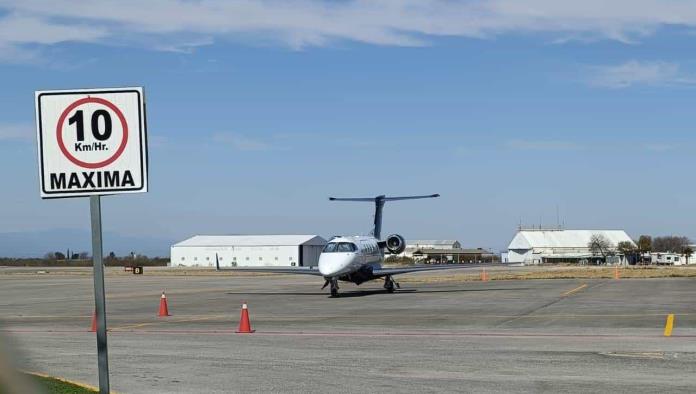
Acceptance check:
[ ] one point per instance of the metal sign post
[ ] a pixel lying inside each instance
(99, 297)
(92, 142)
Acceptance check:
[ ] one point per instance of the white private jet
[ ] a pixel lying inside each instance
(358, 259)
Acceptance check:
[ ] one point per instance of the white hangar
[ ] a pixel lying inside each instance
(248, 251)
(542, 246)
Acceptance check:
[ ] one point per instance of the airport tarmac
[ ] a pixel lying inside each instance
(496, 336)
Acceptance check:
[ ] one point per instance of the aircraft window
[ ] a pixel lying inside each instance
(340, 247)
(346, 247)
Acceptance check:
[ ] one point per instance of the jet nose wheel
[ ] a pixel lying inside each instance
(334, 287)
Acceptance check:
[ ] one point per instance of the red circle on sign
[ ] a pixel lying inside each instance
(111, 106)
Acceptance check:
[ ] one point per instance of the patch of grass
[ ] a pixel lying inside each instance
(58, 386)
(557, 273)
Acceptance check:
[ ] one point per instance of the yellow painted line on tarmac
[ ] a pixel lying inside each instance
(73, 382)
(669, 325)
(575, 290)
(16, 317)
(132, 326)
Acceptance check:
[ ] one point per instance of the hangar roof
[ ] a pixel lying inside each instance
(529, 239)
(252, 240)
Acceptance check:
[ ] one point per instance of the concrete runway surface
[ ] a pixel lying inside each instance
(498, 336)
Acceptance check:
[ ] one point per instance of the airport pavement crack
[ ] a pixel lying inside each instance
(547, 304)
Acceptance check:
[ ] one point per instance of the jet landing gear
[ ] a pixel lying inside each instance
(390, 283)
(334, 286)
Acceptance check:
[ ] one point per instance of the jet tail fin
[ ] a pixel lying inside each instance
(379, 205)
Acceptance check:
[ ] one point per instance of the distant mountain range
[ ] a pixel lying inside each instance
(38, 243)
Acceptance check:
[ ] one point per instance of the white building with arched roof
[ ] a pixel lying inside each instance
(546, 246)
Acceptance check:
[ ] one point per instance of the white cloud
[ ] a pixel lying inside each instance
(17, 132)
(242, 143)
(543, 145)
(22, 29)
(596, 146)
(301, 23)
(659, 147)
(639, 73)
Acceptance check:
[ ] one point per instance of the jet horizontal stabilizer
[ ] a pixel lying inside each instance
(379, 205)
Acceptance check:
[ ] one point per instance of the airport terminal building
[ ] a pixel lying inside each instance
(532, 246)
(248, 251)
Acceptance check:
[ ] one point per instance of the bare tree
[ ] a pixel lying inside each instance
(670, 243)
(600, 245)
(645, 244)
(83, 256)
(50, 256)
(627, 248)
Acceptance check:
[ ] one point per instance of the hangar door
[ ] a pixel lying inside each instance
(309, 255)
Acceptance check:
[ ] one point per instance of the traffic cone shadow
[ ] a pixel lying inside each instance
(94, 322)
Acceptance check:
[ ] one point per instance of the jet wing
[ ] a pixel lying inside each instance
(275, 270)
(272, 270)
(419, 268)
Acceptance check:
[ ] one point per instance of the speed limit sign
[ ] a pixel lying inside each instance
(91, 142)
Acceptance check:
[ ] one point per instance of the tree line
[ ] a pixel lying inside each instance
(600, 245)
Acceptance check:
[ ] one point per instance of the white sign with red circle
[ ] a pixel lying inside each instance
(91, 142)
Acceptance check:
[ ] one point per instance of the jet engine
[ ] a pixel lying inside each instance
(396, 244)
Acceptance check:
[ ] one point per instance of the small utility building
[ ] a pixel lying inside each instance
(248, 251)
(555, 246)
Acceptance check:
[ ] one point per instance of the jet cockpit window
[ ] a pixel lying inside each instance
(340, 247)
(346, 247)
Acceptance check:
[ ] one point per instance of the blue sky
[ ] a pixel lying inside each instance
(258, 111)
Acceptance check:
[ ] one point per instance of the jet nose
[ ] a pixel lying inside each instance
(333, 264)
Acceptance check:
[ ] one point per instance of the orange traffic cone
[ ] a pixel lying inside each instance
(163, 310)
(94, 322)
(244, 324)
(616, 272)
(484, 275)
